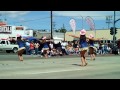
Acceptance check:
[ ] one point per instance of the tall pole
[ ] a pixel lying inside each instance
(108, 20)
(114, 29)
(51, 25)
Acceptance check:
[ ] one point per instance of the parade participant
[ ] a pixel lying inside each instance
(83, 45)
(45, 46)
(21, 45)
(92, 48)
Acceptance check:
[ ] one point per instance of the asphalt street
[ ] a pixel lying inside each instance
(66, 67)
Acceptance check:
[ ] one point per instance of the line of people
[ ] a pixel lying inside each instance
(83, 45)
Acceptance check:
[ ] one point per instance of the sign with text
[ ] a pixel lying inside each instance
(19, 28)
(5, 29)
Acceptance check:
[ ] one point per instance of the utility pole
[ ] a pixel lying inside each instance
(51, 25)
(108, 20)
(63, 26)
(64, 32)
(114, 30)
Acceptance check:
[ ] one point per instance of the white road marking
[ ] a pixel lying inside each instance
(41, 72)
(55, 71)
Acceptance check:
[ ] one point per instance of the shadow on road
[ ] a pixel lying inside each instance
(76, 64)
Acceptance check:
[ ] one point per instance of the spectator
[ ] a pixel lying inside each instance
(31, 47)
(36, 45)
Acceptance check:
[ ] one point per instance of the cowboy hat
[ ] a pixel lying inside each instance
(82, 32)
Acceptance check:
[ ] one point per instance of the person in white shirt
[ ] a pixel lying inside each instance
(63, 44)
(27, 47)
(36, 44)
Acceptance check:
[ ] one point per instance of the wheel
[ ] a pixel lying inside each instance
(8, 51)
(15, 50)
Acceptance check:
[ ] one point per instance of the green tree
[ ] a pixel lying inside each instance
(62, 30)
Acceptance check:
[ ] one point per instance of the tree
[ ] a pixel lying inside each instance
(56, 30)
(62, 30)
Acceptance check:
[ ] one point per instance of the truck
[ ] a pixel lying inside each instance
(5, 45)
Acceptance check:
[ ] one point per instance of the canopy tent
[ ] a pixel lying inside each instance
(30, 38)
(57, 38)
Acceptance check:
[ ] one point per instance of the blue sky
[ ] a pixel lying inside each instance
(41, 19)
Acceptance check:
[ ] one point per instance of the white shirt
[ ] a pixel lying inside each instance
(51, 45)
(63, 44)
(27, 44)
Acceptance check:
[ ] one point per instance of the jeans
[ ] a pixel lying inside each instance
(36, 51)
(31, 51)
(27, 50)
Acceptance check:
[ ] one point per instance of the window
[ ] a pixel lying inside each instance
(3, 42)
(108, 41)
(7, 42)
(101, 41)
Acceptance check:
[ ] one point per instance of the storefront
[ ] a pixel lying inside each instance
(10, 31)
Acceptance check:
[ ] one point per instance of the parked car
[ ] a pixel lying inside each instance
(5, 45)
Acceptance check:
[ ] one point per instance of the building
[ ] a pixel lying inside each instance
(11, 31)
(39, 34)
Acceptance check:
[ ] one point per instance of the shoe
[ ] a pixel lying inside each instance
(81, 65)
(86, 64)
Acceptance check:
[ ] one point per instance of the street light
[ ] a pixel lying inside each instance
(114, 28)
(82, 21)
(108, 20)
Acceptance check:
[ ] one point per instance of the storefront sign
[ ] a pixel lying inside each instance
(19, 28)
(5, 29)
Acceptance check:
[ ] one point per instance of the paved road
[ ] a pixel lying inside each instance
(35, 67)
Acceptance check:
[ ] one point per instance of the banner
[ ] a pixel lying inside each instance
(90, 22)
(73, 25)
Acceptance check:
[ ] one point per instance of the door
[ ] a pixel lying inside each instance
(2, 45)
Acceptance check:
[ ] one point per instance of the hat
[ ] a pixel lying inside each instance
(44, 37)
(18, 35)
(82, 32)
(91, 36)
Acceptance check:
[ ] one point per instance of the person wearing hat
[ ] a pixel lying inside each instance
(83, 45)
(21, 45)
(45, 46)
(92, 48)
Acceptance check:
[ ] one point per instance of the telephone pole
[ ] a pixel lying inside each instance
(108, 20)
(51, 25)
(114, 29)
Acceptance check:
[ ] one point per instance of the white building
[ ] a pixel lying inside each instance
(7, 31)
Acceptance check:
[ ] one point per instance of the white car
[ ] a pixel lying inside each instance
(5, 45)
